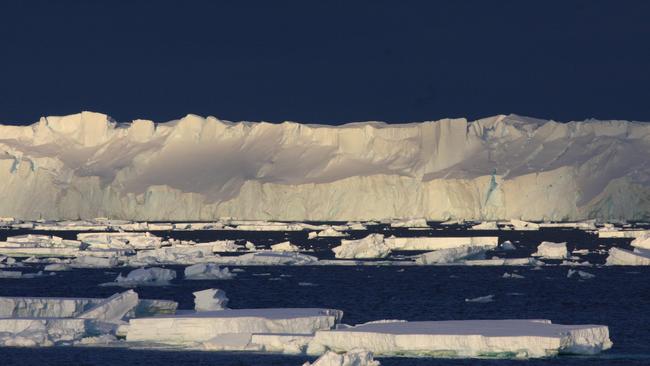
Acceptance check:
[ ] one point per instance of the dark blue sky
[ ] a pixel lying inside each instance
(325, 61)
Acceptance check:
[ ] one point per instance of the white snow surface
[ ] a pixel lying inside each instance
(86, 165)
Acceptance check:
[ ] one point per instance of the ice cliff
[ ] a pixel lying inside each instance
(503, 167)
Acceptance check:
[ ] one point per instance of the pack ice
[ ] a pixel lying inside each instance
(88, 166)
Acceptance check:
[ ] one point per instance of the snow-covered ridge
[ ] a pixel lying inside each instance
(86, 165)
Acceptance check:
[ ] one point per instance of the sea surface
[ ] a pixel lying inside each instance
(618, 297)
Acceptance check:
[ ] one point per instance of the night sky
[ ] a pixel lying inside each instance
(325, 61)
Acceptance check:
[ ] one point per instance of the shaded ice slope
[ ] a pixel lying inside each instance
(86, 165)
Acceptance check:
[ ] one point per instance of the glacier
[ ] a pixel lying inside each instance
(86, 165)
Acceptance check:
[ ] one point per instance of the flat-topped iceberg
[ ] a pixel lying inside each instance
(205, 326)
(469, 338)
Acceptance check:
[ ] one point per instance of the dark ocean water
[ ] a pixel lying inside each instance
(618, 297)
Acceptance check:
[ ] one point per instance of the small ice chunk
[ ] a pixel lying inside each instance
(11, 274)
(507, 245)
(57, 267)
(210, 300)
(550, 250)
(582, 274)
(207, 271)
(512, 275)
(354, 357)
(481, 299)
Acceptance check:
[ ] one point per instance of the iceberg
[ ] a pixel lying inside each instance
(207, 271)
(331, 233)
(410, 223)
(452, 255)
(488, 169)
(485, 225)
(206, 326)
(469, 338)
(642, 240)
(285, 246)
(268, 258)
(372, 246)
(436, 243)
(622, 257)
(523, 225)
(550, 250)
(144, 240)
(210, 300)
(146, 276)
